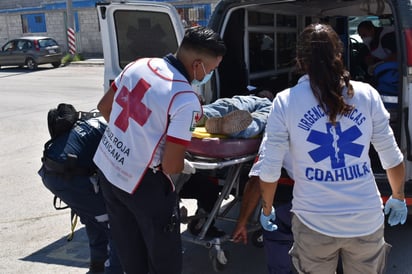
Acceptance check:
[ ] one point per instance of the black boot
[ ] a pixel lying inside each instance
(96, 267)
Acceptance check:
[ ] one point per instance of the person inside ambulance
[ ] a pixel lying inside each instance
(382, 61)
(380, 42)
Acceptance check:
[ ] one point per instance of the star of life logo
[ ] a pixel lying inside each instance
(335, 145)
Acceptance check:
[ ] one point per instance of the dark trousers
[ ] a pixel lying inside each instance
(145, 225)
(278, 243)
(78, 193)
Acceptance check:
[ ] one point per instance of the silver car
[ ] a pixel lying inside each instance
(31, 51)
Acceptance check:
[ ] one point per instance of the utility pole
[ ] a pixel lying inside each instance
(71, 38)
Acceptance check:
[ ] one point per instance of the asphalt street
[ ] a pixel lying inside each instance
(33, 235)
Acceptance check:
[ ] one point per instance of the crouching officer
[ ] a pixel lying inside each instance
(69, 173)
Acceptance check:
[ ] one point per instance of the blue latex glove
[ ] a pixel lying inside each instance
(267, 221)
(397, 211)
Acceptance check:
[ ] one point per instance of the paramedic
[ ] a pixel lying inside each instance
(152, 109)
(327, 122)
(380, 42)
(69, 173)
(241, 116)
(382, 61)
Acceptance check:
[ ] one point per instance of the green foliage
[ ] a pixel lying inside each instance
(71, 58)
(78, 57)
(66, 59)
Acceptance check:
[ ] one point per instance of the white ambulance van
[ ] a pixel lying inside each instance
(260, 36)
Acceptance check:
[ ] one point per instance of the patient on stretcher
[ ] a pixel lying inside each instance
(237, 117)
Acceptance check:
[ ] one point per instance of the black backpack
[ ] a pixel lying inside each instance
(62, 119)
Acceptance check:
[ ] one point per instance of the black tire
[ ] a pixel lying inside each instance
(31, 64)
(56, 64)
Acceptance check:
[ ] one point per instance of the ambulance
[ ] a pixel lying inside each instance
(260, 36)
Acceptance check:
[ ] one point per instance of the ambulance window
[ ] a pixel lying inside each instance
(260, 19)
(286, 48)
(143, 34)
(261, 51)
(272, 41)
(283, 20)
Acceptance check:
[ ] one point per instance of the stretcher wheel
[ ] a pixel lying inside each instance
(219, 259)
(257, 238)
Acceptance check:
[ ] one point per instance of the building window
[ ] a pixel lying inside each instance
(193, 15)
(32, 23)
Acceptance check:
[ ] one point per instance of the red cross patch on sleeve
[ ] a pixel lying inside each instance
(195, 118)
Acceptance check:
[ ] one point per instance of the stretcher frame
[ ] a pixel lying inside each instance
(231, 182)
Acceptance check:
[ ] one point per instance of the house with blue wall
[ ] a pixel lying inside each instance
(49, 18)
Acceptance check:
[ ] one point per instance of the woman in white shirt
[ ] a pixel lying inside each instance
(327, 123)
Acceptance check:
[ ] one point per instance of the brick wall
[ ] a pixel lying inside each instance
(88, 40)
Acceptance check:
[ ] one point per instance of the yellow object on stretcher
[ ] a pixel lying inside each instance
(200, 132)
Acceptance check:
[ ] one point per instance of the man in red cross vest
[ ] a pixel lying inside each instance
(152, 109)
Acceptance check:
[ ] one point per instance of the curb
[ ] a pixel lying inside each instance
(87, 62)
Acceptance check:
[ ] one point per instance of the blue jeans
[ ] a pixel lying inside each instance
(258, 107)
(78, 193)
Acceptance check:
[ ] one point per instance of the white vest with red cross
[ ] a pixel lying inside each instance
(144, 105)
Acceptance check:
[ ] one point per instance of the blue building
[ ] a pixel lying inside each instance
(49, 18)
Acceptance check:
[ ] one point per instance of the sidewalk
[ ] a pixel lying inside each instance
(88, 62)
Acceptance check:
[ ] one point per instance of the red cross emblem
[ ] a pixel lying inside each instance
(197, 117)
(132, 105)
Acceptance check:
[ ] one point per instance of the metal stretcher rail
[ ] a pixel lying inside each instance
(221, 163)
(231, 182)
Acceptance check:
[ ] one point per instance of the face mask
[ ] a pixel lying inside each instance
(367, 40)
(207, 77)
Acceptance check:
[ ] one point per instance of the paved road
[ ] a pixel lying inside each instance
(33, 234)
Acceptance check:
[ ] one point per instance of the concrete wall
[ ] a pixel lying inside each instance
(56, 27)
(13, 4)
(88, 40)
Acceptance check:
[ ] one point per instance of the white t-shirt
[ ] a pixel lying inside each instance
(381, 52)
(153, 103)
(335, 191)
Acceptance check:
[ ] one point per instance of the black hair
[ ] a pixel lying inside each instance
(319, 54)
(204, 40)
(366, 25)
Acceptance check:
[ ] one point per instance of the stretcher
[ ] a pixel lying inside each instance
(216, 153)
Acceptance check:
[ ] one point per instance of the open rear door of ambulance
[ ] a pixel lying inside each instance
(131, 30)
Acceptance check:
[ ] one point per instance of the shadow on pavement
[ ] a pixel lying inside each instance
(62, 252)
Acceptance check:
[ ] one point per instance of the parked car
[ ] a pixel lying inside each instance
(261, 36)
(31, 51)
